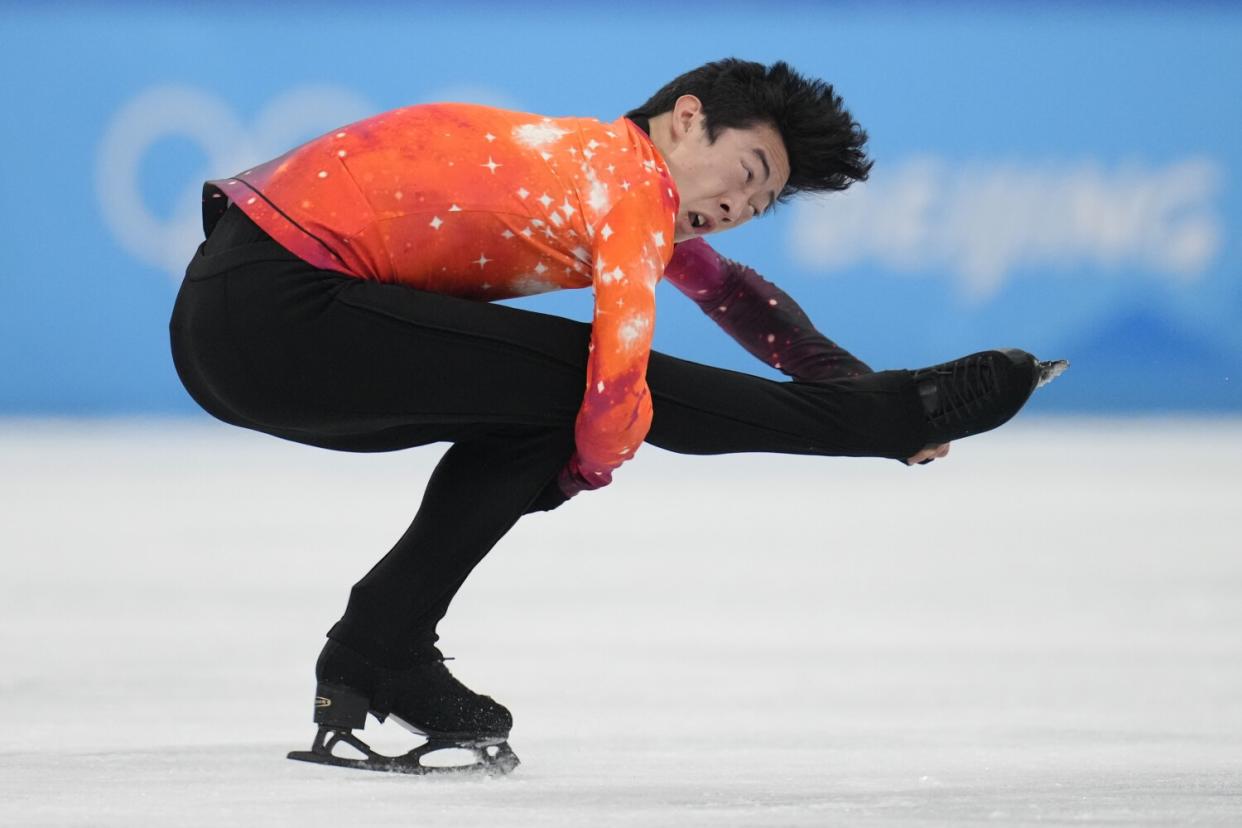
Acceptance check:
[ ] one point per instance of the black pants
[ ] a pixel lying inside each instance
(265, 341)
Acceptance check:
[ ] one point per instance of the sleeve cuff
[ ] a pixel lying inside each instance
(573, 479)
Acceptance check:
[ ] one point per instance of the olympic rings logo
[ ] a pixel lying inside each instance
(230, 145)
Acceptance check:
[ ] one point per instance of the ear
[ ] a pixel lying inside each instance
(687, 112)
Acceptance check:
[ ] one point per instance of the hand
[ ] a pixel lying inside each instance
(929, 454)
(548, 499)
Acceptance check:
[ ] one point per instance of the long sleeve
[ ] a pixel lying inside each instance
(761, 317)
(632, 247)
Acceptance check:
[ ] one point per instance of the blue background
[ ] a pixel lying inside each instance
(84, 307)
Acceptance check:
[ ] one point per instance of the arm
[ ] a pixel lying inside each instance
(616, 408)
(761, 317)
(765, 321)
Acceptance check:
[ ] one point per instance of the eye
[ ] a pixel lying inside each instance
(749, 175)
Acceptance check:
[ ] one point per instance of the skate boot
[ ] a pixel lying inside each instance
(425, 699)
(979, 392)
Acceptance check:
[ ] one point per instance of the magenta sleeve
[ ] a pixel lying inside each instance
(761, 317)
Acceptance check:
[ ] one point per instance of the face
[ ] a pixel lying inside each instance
(722, 184)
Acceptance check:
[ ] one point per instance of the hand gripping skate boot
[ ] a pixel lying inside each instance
(979, 392)
(425, 699)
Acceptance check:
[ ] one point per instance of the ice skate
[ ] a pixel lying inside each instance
(980, 392)
(424, 699)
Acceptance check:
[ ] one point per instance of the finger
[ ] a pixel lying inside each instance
(922, 456)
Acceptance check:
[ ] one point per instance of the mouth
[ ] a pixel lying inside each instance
(700, 223)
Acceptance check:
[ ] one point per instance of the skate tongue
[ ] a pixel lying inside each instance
(1050, 370)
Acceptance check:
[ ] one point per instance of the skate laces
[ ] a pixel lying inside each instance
(964, 387)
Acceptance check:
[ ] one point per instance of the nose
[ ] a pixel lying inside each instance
(727, 211)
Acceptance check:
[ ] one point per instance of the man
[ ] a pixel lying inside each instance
(342, 299)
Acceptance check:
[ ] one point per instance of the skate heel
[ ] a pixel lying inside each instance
(340, 707)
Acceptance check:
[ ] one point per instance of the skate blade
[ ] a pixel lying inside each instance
(499, 765)
(1050, 370)
(492, 757)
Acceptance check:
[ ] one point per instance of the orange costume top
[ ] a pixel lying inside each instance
(489, 204)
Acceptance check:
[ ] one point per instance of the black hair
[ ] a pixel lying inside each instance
(824, 142)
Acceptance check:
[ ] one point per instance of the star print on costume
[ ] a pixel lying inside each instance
(414, 195)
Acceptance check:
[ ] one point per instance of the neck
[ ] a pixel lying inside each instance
(659, 129)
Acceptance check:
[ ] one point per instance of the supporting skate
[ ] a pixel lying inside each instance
(425, 699)
(980, 392)
(492, 756)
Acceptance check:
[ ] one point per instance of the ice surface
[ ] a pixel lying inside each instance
(762, 640)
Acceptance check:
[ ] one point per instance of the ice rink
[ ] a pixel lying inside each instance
(1044, 628)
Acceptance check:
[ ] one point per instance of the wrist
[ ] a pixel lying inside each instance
(572, 479)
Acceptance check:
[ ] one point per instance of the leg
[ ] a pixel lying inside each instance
(334, 361)
(699, 409)
(476, 494)
(325, 359)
